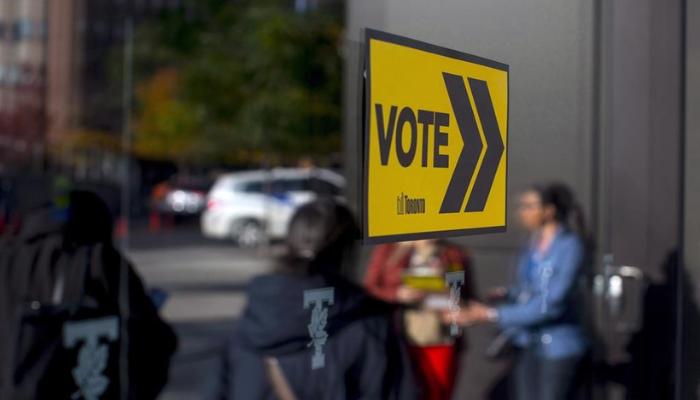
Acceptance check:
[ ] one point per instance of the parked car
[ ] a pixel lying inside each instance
(255, 206)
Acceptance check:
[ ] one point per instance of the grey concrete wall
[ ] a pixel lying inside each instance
(595, 102)
(692, 145)
(639, 163)
(641, 93)
(549, 45)
(690, 349)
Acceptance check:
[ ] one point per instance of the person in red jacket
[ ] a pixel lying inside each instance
(412, 274)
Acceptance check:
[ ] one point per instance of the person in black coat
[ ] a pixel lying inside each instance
(64, 265)
(273, 355)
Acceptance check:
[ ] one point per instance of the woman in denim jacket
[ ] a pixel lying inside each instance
(540, 312)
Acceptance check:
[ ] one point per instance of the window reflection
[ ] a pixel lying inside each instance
(203, 127)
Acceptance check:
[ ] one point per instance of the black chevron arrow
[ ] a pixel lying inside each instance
(464, 170)
(494, 146)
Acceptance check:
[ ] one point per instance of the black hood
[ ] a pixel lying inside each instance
(88, 221)
(276, 323)
(39, 223)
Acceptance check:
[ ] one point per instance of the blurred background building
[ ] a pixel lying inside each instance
(55, 73)
(23, 82)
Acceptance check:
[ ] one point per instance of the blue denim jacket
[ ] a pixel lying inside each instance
(543, 312)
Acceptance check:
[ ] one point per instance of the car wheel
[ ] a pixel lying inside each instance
(250, 234)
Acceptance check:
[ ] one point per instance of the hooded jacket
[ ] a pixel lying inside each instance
(363, 356)
(27, 273)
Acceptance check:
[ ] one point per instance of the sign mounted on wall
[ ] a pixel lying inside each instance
(435, 144)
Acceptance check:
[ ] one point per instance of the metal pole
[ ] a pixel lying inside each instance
(124, 306)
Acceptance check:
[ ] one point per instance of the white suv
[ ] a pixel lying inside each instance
(251, 207)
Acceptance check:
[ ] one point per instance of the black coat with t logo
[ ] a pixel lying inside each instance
(364, 357)
(60, 317)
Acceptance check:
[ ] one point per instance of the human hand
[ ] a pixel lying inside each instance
(475, 313)
(408, 295)
(497, 294)
(468, 315)
(446, 317)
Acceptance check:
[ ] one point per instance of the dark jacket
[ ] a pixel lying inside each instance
(27, 274)
(363, 357)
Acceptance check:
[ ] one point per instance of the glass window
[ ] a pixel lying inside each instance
(289, 185)
(42, 29)
(323, 188)
(265, 98)
(252, 187)
(101, 28)
(24, 29)
(16, 30)
(13, 74)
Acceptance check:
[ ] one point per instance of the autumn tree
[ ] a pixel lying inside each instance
(239, 79)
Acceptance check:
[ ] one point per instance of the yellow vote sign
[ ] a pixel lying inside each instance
(435, 144)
